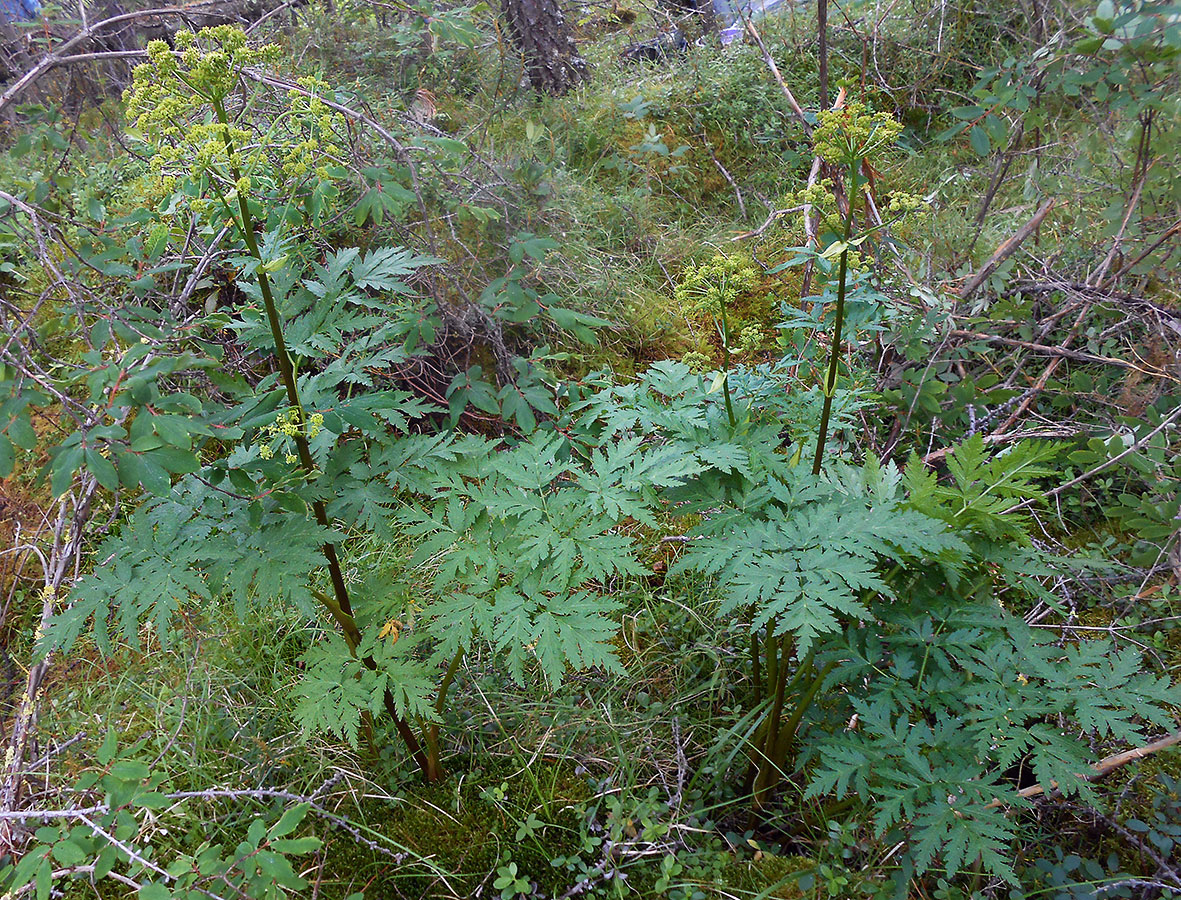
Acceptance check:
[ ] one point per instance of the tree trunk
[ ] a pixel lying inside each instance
(539, 29)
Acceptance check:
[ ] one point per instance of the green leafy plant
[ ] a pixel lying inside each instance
(283, 464)
(249, 429)
(837, 570)
(114, 842)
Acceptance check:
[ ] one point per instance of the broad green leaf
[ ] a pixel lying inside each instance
(102, 469)
(978, 138)
(67, 853)
(289, 821)
(129, 770)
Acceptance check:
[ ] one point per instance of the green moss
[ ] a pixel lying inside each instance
(455, 833)
(765, 875)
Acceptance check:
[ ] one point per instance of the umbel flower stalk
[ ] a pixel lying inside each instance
(169, 95)
(845, 138)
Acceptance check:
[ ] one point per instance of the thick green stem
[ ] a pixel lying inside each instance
(340, 607)
(767, 771)
(770, 654)
(435, 770)
(775, 740)
(726, 363)
(787, 736)
(834, 355)
(756, 667)
(286, 367)
(352, 637)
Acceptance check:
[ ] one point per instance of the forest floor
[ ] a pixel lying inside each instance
(1031, 293)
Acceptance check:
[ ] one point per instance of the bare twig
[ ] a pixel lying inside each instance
(1143, 165)
(772, 217)
(1063, 352)
(1040, 384)
(777, 75)
(64, 53)
(718, 165)
(1046, 434)
(1172, 231)
(1054, 492)
(1005, 250)
(1104, 767)
(69, 530)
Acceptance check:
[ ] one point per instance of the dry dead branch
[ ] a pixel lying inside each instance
(1005, 250)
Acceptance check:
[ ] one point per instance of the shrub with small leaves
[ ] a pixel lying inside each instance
(115, 841)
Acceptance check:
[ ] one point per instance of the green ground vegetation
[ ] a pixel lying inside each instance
(418, 487)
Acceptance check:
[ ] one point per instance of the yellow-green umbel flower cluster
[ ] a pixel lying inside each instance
(903, 202)
(285, 427)
(174, 97)
(321, 125)
(751, 338)
(206, 65)
(173, 85)
(820, 199)
(697, 362)
(715, 285)
(854, 132)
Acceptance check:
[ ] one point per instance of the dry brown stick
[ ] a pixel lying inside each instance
(810, 224)
(767, 58)
(1098, 277)
(822, 48)
(1032, 394)
(1005, 250)
(62, 53)
(1063, 352)
(1046, 434)
(1047, 372)
(1172, 230)
(1144, 166)
(718, 165)
(1002, 167)
(772, 217)
(69, 530)
(1106, 464)
(1104, 766)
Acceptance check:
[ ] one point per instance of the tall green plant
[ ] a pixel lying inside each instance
(847, 138)
(884, 661)
(306, 446)
(183, 105)
(879, 603)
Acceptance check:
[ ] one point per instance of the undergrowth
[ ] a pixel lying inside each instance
(479, 554)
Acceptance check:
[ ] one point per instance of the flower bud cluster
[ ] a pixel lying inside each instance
(182, 100)
(320, 125)
(174, 84)
(716, 284)
(902, 202)
(853, 133)
(287, 426)
(821, 202)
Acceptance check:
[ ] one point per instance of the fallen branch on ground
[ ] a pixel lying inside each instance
(1047, 434)
(1077, 355)
(1104, 767)
(1005, 250)
(196, 15)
